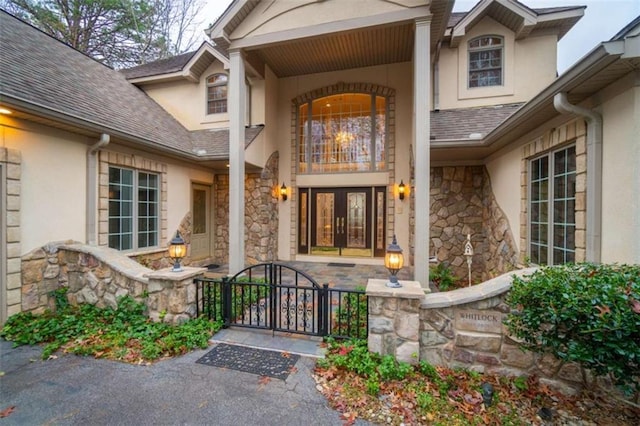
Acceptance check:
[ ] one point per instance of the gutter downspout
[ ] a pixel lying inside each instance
(92, 188)
(594, 173)
(436, 78)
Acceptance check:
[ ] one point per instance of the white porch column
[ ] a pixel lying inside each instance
(421, 134)
(236, 108)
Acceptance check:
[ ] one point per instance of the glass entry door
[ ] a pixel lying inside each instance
(340, 221)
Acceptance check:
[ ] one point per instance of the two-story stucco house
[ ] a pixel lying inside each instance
(316, 130)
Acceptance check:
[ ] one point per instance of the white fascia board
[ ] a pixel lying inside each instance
(331, 27)
(578, 12)
(631, 47)
(178, 75)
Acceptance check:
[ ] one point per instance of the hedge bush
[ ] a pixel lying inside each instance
(584, 313)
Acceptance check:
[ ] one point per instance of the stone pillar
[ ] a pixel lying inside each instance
(236, 100)
(172, 295)
(394, 319)
(421, 145)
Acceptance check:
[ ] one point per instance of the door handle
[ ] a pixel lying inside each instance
(337, 225)
(342, 221)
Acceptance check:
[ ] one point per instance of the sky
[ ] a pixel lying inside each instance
(601, 21)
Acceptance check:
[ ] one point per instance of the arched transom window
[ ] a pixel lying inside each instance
(217, 93)
(344, 132)
(486, 61)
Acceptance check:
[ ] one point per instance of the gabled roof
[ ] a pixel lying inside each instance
(47, 81)
(188, 66)
(516, 16)
(606, 64)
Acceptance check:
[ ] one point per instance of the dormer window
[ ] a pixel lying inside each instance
(217, 93)
(485, 61)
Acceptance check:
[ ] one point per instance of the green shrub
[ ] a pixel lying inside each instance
(442, 276)
(584, 313)
(124, 333)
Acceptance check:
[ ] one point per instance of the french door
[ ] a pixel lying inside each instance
(342, 221)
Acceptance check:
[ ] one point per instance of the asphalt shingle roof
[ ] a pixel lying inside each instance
(42, 72)
(162, 66)
(458, 124)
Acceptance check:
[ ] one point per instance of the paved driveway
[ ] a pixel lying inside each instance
(72, 390)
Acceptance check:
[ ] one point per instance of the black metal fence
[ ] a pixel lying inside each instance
(280, 298)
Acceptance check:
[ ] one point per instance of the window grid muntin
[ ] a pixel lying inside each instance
(217, 86)
(486, 61)
(378, 138)
(133, 212)
(552, 207)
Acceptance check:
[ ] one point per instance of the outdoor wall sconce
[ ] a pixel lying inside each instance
(283, 192)
(468, 253)
(401, 190)
(393, 261)
(177, 251)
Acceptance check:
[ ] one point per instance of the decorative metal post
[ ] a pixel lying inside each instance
(468, 252)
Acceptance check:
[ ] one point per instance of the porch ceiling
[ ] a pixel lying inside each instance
(353, 49)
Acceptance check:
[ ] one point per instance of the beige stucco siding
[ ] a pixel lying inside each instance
(621, 178)
(529, 65)
(270, 17)
(187, 101)
(504, 172)
(394, 76)
(52, 182)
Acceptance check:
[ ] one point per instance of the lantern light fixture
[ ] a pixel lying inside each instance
(393, 261)
(401, 190)
(177, 251)
(283, 192)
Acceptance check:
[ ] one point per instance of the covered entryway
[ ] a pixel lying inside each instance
(342, 221)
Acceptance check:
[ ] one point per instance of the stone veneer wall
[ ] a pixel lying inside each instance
(11, 161)
(261, 215)
(460, 328)
(462, 202)
(99, 276)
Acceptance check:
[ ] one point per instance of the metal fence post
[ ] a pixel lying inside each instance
(324, 315)
(226, 302)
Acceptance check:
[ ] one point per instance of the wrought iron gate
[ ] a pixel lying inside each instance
(277, 297)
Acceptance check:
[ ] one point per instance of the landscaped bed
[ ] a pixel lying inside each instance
(362, 385)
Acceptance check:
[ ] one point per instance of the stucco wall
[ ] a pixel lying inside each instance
(529, 66)
(621, 178)
(269, 17)
(53, 181)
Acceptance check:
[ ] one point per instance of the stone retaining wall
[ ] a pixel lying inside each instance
(99, 276)
(460, 328)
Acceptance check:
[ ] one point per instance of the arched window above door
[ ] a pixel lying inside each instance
(342, 132)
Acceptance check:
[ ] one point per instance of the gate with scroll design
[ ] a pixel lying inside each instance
(277, 297)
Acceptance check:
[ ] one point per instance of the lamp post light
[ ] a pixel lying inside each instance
(283, 192)
(177, 251)
(468, 252)
(393, 261)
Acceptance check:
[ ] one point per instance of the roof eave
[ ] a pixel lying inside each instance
(29, 107)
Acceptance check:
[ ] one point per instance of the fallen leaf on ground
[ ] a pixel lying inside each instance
(7, 411)
(263, 381)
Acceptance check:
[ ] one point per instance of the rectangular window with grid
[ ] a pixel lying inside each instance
(133, 209)
(552, 195)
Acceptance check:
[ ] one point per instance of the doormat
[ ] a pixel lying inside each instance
(250, 360)
(344, 265)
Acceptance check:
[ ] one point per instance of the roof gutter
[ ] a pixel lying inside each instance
(92, 188)
(594, 173)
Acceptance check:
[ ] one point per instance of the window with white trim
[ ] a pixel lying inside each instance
(552, 196)
(486, 61)
(217, 93)
(133, 209)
